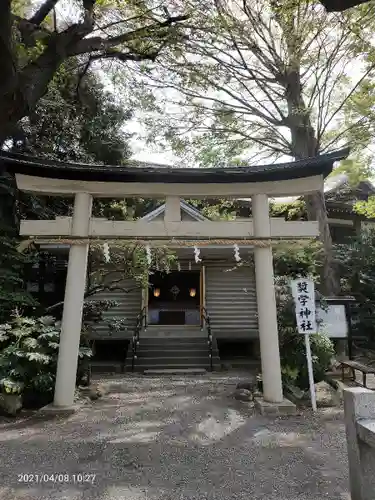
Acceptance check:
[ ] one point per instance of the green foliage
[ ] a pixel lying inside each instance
(356, 261)
(93, 310)
(126, 271)
(38, 44)
(13, 295)
(220, 209)
(301, 259)
(356, 170)
(292, 262)
(126, 261)
(357, 265)
(366, 208)
(295, 210)
(75, 120)
(28, 357)
(243, 96)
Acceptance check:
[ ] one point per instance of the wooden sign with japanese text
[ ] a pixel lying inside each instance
(303, 291)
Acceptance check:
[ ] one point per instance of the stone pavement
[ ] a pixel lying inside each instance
(174, 438)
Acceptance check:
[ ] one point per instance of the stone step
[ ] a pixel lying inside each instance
(176, 360)
(176, 328)
(189, 353)
(174, 352)
(166, 333)
(184, 328)
(173, 348)
(106, 367)
(176, 371)
(167, 352)
(139, 367)
(173, 342)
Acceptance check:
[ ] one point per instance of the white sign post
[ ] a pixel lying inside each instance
(304, 299)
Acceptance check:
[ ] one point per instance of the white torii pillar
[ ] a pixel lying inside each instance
(267, 312)
(73, 304)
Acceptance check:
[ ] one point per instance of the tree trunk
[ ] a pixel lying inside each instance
(316, 210)
(304, 145)
(9, 77)
(28, 87)
(21, 89)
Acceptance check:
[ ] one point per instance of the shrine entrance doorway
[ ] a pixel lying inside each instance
(174, 298)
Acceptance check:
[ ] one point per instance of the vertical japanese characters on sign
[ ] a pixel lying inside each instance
(304, 299)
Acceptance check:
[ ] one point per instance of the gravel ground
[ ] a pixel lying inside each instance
(174, 438)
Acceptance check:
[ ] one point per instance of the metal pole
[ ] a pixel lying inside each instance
(350, 329)
(311, 372)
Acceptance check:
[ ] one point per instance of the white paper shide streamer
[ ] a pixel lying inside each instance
(236, 250)
(196, 255)
(148, 255)
(106, 255)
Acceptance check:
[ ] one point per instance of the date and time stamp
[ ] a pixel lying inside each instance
(56, 478)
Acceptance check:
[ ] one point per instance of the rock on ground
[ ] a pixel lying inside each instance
(250, 384)
(10, 404)
(296, 392)
(326, 395)
(93, 392)
(243, 395)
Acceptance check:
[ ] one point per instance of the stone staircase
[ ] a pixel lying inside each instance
(168, 349)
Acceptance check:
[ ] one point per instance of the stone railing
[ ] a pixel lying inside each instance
(360, 434)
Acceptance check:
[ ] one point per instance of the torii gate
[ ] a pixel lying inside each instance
(84, 182)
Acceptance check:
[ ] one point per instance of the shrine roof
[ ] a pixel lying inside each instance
(133, 171)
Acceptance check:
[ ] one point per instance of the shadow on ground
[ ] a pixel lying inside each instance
(174, 438)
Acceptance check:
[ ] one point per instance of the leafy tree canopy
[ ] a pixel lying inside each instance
(77, 120)
(258, 81)
(37, 39)
(264, 79)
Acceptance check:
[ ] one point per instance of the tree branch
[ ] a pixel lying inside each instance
(352, 91)
(7, 62)
(125, 56)
(88, 19)
(43, 12)
(99, 44)
(94, 290)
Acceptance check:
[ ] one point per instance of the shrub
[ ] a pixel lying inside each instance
(28, 358)
(13, 294)
(356, 263)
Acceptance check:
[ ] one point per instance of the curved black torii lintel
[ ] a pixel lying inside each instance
(133, 171)
(341, 5)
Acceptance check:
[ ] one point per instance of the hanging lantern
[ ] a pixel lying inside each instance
(192, 292)
(156, 292)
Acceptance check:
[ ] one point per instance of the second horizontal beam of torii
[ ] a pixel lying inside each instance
(101, 228)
